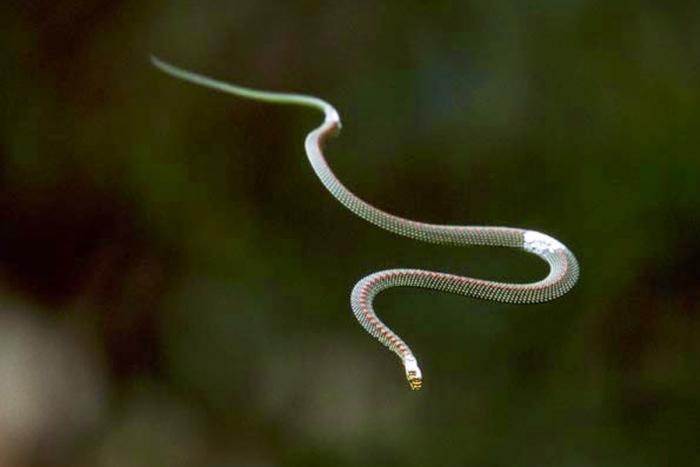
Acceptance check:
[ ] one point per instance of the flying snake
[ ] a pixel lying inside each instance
(563, 267)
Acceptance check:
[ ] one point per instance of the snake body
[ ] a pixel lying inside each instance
(563, 265)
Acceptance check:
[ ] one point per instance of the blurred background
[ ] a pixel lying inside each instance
(174, 280)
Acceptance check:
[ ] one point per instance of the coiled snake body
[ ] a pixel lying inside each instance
(563, 266)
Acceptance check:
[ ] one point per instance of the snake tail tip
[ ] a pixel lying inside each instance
(155, 60)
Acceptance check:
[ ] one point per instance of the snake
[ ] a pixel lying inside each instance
(563, 266)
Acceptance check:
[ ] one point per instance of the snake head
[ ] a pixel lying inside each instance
(413, 373)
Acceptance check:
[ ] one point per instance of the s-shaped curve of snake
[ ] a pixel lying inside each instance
(563, 271)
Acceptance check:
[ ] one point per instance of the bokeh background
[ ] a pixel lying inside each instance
(174, 280)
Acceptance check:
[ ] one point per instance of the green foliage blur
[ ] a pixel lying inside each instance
(174, 280)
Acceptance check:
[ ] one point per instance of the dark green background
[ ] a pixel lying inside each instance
(172, 250)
